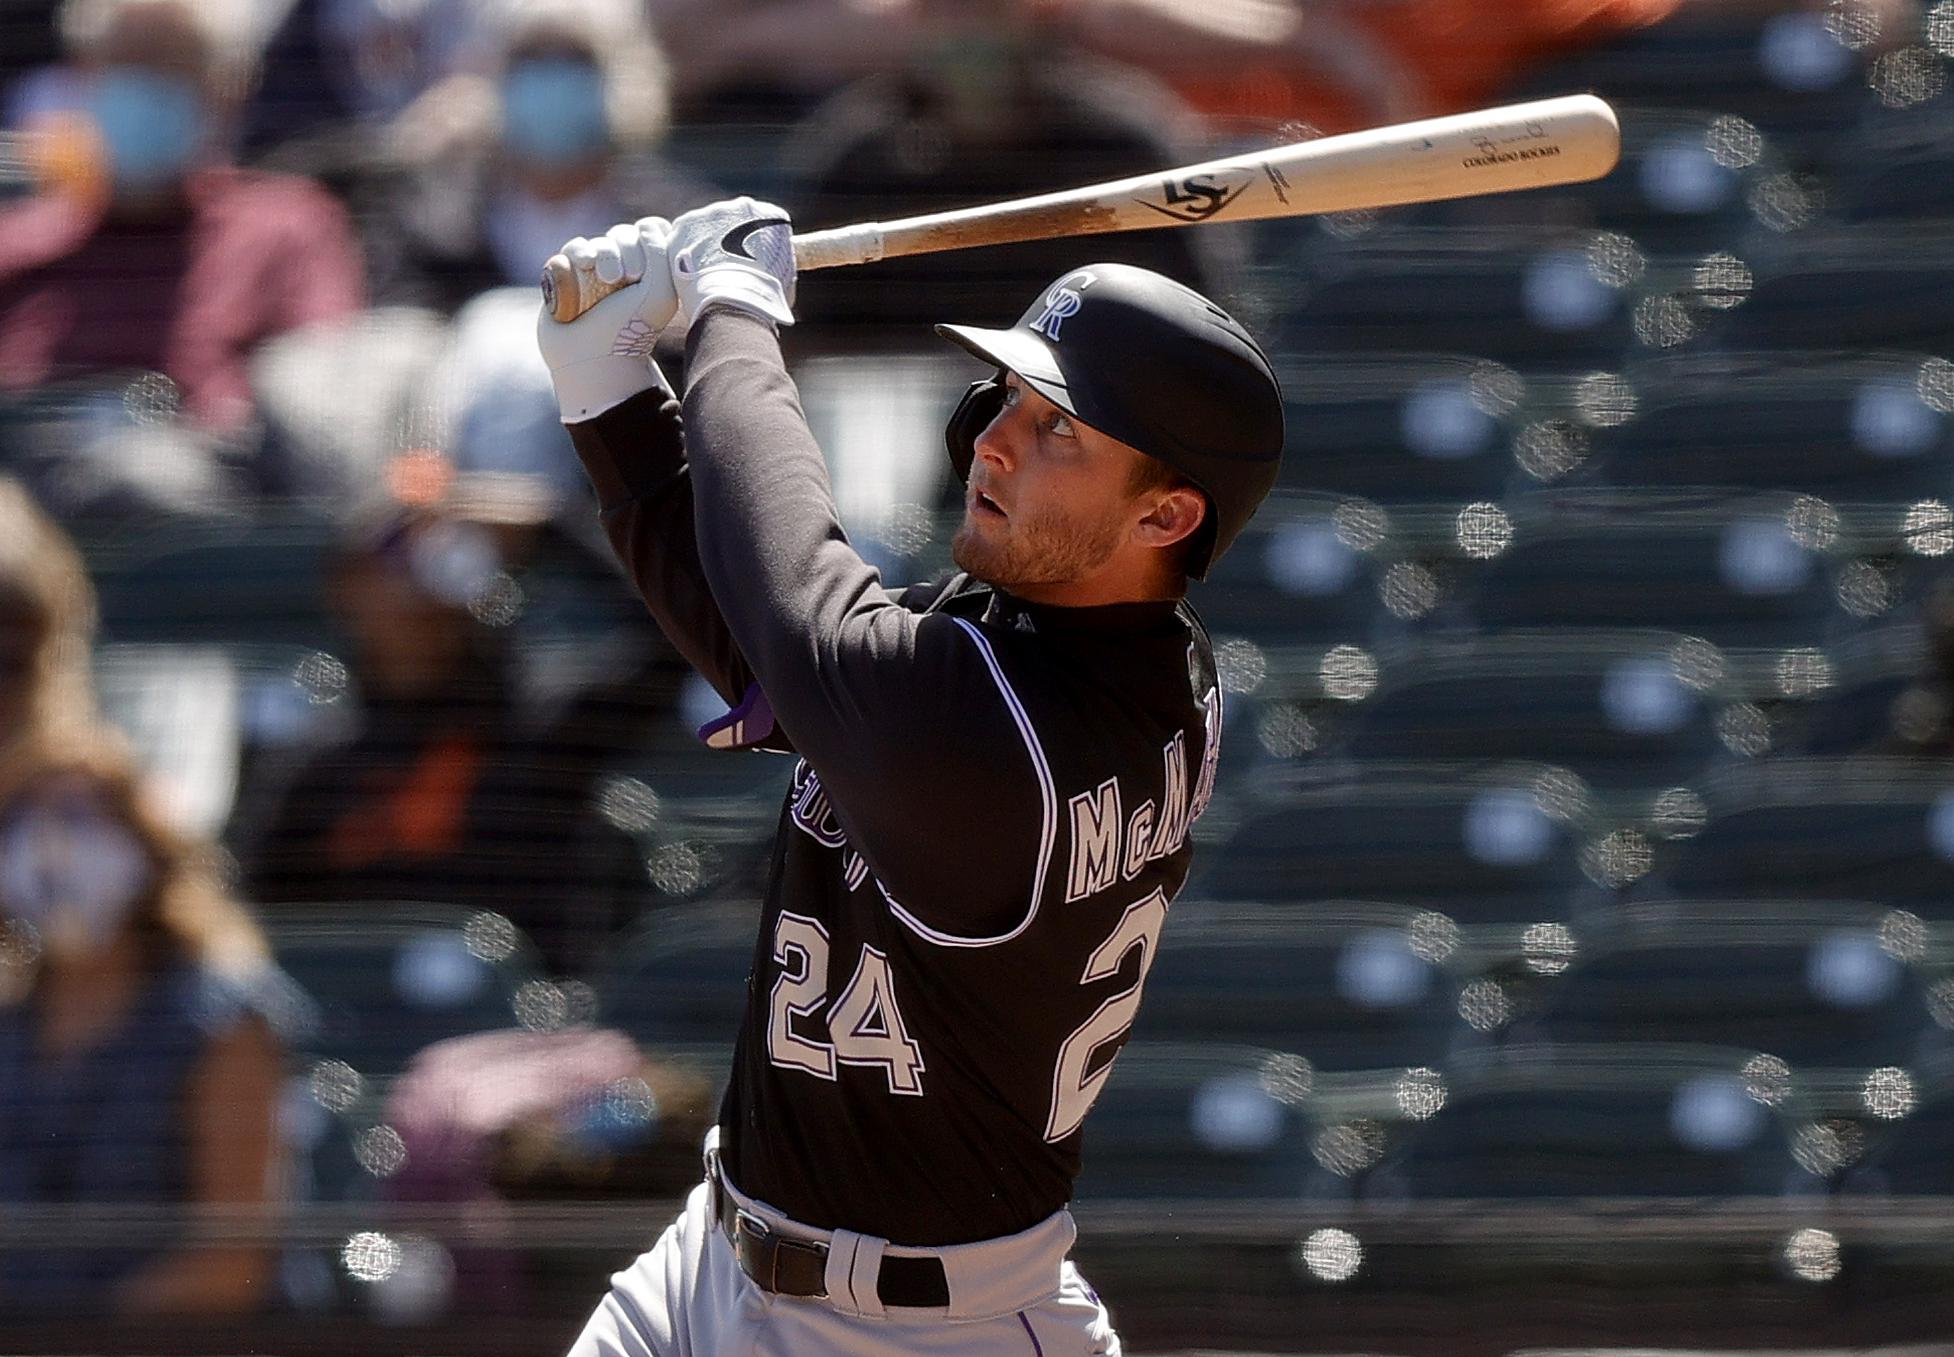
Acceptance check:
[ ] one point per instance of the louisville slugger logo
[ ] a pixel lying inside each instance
(1198, 197)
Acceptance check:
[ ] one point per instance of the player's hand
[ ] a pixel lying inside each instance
(603, 357)
(737, 253)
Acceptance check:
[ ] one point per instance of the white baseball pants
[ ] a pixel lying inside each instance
(687, 1297)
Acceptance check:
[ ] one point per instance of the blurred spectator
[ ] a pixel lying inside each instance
(539, 1116)
(987, 107)
(172, 260)
(139, 1054)
(447, 792)
(28, 29)
(47, 626)
(332, 65)
(549, 133)
(1339, 65)
(1334, 66)
(775, 57)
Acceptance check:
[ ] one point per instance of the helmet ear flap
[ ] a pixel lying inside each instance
(972, 416)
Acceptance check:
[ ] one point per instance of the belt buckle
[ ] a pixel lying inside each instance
(751, 1235)
(754, 1239)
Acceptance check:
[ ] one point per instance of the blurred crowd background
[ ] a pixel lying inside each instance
(1570, 954)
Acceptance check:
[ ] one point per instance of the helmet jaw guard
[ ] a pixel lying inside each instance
(1143, 359)
(972, 416)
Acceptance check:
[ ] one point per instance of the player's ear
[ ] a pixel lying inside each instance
(1176, 513)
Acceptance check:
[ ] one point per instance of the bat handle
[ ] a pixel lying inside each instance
(568, 291)
(861, 243)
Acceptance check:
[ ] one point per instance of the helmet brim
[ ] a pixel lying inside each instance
(1031, 358)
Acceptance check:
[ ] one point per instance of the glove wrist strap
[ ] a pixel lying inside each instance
(746, 290)
(590, 386)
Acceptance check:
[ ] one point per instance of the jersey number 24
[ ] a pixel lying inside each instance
(865, 1026)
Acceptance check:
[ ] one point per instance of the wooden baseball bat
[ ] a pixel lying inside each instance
(1551, 141)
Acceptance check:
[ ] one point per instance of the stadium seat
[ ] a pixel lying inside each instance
(1897, 166)
(1914, 1156)
(1882, 700)
(1292, 578)
(1634, 1121)
(680, 979)
(227, 582)
(1819, 988)
(1486, 845)
(389, 980)
(1619, 709)
(705, 817)
(1542, 298)
(1851, 428)
(1782, 69)
(1863, 285)
(1348, 986)
(1745, 573)
(1410, 428)
(1199, 1120)
(1864, 828)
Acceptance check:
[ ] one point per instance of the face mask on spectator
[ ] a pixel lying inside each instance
(553, 110)
(152, 126)
(71, 872)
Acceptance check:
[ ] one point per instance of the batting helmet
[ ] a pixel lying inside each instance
(1156, 365)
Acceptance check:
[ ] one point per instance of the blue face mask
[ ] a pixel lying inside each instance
(152, 126)
(553, 109)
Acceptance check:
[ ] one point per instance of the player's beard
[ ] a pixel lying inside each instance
(1046, 546)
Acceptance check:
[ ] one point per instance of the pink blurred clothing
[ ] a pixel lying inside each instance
(189, 294)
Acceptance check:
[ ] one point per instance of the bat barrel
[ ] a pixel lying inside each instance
(1564, 140)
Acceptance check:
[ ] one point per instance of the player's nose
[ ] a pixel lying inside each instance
(997, 444)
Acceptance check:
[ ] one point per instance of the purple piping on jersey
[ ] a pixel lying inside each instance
(1048, 805)
(1036, 1346)
(745, 725)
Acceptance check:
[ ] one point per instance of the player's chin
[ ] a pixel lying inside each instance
(973, 551)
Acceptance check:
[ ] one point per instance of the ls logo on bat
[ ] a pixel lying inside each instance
(1199, 196)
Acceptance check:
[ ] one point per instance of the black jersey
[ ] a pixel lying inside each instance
(987, 821)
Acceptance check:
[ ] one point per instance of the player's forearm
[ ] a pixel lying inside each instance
(770, 539)
(634, 456)
(826, 641)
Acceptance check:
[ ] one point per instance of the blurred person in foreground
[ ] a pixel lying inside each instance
(140, 1056)
(551, 126)
(448, 791)
(47, 627)
(1331, 66)
(162, 256)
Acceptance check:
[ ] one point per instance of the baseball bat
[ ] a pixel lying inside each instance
(1566, 140)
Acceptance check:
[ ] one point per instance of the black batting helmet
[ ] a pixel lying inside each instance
(1143, 359)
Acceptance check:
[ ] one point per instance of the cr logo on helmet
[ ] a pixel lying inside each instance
(1062, 301)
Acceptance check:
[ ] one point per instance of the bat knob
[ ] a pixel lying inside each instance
(549, 290)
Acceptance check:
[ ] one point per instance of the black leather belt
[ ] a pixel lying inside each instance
(799, 1267)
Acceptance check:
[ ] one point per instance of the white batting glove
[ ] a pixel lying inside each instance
(737, 253)
(603, 357)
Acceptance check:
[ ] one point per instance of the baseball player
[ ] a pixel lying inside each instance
(996, 776)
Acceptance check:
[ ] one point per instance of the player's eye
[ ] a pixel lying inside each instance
(1010, 393)
(1060, 426)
